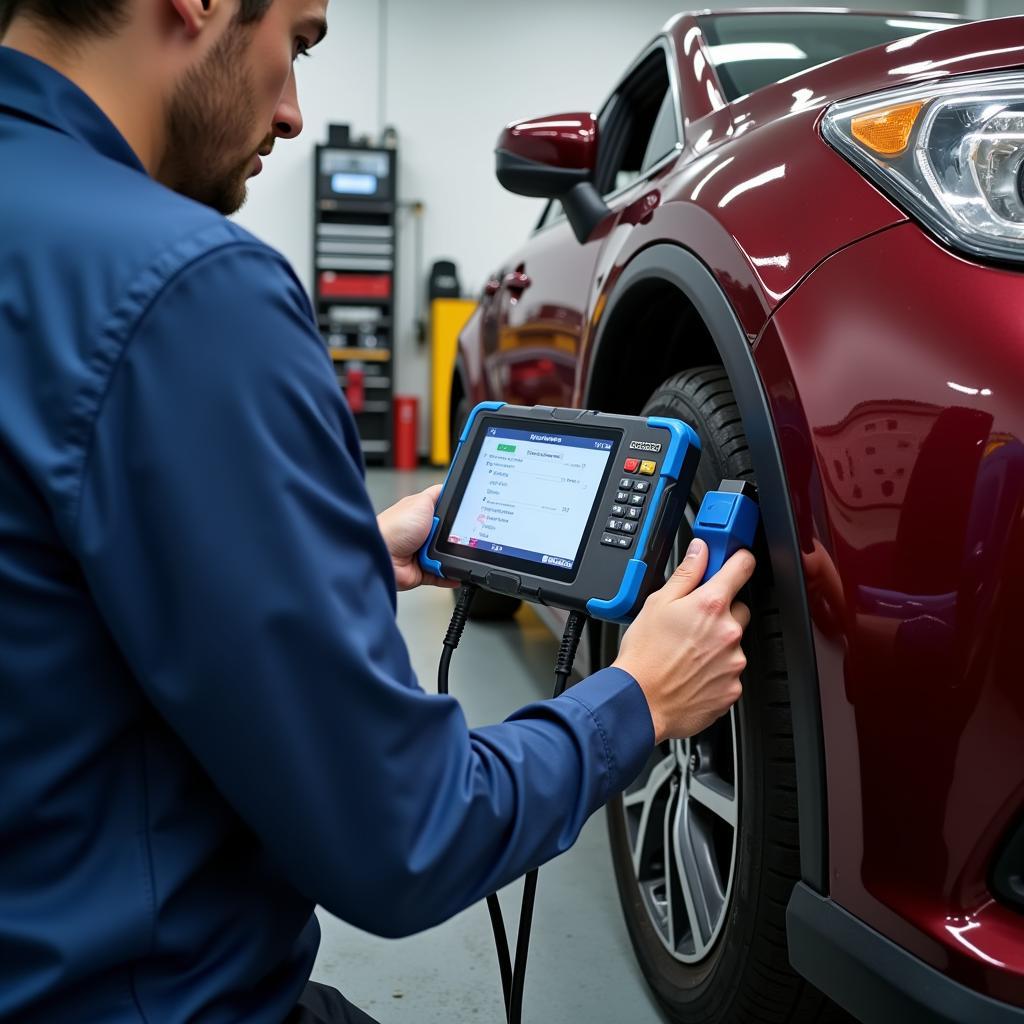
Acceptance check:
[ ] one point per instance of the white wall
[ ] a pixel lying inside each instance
(454, 72)
(996, 8)
(339, 85)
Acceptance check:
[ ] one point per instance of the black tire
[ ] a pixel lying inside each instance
(486, 607)
(743, 975)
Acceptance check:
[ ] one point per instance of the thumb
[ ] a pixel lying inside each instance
(689, 572)
(433, 493)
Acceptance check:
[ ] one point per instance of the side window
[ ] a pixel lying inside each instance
(637, 125)
(664, 136)
(551, 213)
(638, 128)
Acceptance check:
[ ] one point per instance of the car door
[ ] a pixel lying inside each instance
(640, 134)
(536, 314)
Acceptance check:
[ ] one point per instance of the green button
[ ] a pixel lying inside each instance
(506, 447)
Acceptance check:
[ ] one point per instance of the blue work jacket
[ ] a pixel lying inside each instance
(208, 718)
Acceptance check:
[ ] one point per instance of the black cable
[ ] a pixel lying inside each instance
(563, 670)
(515, 1010)
(455, 629)
(513, 978)
(501, 946)
(451, 641)
(567, 650)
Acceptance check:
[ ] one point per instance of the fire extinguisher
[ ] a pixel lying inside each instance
(407, 417)
(355, 387)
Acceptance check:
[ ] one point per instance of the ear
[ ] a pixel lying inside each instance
(194, 14)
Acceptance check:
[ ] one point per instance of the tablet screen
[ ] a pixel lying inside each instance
(530, 496)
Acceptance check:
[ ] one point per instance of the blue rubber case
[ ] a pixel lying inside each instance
(641, 572)
(432, 565)
(684, 440)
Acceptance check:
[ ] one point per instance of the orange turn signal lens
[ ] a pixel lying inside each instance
(886, 131)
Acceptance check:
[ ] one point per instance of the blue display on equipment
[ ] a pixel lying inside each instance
(566, 507)
(726, 522)
(432, 565)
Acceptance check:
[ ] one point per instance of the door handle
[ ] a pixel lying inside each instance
(517, 281)
(642, 211)
(492, 287)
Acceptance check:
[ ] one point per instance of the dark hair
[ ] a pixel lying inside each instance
(99, 17)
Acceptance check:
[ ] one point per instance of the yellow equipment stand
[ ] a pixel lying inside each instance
(447, 318)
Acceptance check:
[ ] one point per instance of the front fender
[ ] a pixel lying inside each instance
(673, 266)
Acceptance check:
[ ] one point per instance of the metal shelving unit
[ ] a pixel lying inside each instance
(354, 253)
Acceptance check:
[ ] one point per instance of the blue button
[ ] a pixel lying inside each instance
(717, 510)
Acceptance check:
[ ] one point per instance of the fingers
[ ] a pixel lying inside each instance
(439, 581)
(433, 493)
(689, 572)
(732, 577)
(741, 613)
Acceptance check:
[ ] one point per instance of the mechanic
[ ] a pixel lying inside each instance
(208, 718)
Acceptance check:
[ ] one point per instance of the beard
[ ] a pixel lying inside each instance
(209, 128)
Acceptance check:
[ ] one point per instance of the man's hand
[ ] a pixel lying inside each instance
(405, 528)
(684, 646)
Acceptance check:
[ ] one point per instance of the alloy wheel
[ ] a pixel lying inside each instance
(682, 816)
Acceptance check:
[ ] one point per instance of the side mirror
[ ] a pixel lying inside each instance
(555, 158)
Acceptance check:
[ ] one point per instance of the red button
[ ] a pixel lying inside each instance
(632, 465)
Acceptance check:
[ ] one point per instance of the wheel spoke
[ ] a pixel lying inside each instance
(716, 795)
(702, 887)
(645, 797)
(681, 748)
(672, 933)
(685, 859)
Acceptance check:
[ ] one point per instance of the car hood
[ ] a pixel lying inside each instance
(960, 50)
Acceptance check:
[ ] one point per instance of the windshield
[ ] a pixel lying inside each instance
(750, 51)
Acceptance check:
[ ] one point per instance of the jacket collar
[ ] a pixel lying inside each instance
(34, 91)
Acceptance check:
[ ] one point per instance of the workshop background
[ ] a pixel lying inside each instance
(446, 76)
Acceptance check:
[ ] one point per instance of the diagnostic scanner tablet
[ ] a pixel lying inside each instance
(565, 507)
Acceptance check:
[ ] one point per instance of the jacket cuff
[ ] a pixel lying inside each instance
(623, 719)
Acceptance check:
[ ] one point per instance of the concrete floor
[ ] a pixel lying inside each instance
(581, 965)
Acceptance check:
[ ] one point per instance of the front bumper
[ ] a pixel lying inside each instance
(873, 978)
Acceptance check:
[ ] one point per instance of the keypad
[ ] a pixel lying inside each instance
(616, 540)
(621, 526)
(630, 500)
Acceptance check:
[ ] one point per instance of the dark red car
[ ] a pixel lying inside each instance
(803, 232)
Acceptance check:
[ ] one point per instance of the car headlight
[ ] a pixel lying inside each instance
(950, 152)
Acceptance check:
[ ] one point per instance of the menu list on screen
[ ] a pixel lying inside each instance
(530, 495)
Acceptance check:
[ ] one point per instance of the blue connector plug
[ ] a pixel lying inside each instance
(726, 522)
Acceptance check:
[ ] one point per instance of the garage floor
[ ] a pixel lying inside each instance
(581, 965)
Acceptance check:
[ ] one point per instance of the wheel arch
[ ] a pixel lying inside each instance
(626, 367)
